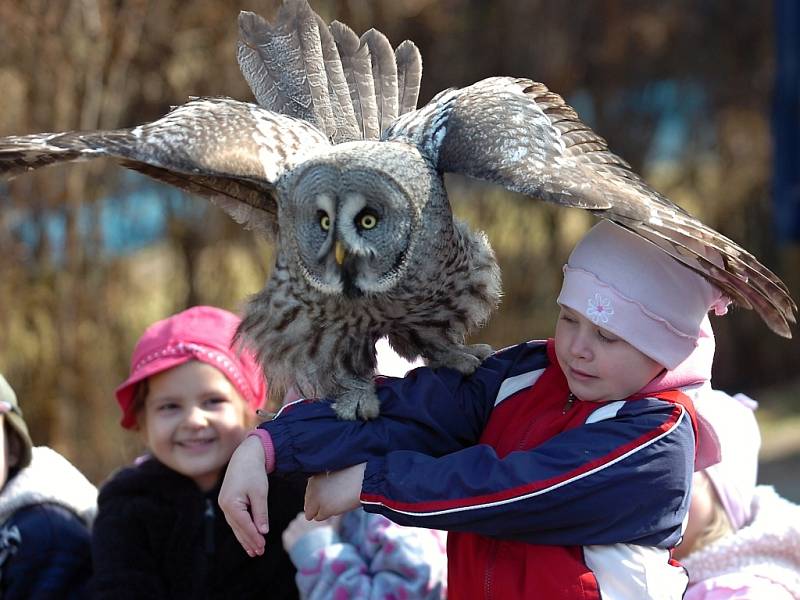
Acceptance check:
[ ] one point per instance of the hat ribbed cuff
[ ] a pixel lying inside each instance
(628, 319)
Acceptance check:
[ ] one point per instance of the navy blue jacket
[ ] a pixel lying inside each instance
(47, 555)
(545, 495)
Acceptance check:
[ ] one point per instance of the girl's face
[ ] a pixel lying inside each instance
(5, 458)
(599, 366)
(193, 420)
(10, 451)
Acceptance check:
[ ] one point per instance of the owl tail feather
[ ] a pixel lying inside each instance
(284, 66)
(350, 88)
(409, 76)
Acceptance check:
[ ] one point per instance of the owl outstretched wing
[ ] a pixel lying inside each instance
(517, 133)
(228, 151)
(350, 88)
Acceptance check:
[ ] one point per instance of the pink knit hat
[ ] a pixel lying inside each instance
(736, 428)
(201, 333)
(634, 290)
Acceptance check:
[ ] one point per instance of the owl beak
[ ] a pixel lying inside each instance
(339, 253)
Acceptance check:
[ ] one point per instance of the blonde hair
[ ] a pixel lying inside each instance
(719, 526)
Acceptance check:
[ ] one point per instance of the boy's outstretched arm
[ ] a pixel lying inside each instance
(434, 412)
(624, 478)
(243, 497)
(431, 411)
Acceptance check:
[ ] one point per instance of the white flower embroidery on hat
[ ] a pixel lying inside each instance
(600, 309)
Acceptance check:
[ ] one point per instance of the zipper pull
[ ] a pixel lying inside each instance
(570, 402)
(208, 518)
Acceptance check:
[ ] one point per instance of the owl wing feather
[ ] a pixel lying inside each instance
(517, 133)
(228, 151)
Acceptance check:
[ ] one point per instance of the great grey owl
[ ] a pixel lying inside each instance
(338, 166)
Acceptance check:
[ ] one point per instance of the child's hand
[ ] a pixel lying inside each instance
(329, 494)
(301, 526)
(244, 491)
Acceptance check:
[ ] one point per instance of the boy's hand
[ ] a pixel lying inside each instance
(329, 494)
(244, 492)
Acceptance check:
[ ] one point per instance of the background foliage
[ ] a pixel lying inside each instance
(680, 89)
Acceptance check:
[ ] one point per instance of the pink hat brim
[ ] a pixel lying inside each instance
(125, 392)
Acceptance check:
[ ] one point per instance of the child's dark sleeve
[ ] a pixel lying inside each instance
(430, 411)
(622, 479)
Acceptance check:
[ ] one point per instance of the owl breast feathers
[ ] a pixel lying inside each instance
(337, 165)
(368, 248)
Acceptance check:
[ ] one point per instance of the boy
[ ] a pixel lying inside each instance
(562, 468)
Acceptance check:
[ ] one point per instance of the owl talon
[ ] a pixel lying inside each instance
(357, 404)
(480, 351)
(464, 359)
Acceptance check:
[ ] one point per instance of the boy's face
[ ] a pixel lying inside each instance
(193, 420)
(599, 366)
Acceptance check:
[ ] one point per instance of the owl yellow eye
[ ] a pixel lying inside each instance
(324, 221)
(367, 221)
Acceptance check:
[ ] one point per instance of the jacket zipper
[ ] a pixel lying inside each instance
(208, 522)
(489, 578)
(569, 404)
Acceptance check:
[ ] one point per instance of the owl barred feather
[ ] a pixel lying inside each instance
(337, 165)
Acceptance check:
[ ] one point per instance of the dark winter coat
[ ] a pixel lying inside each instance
(54, 561)
(45, 513)
(157, 535)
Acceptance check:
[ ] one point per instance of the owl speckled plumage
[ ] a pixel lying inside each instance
(341, 169)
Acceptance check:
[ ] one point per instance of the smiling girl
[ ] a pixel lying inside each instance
(159, 532)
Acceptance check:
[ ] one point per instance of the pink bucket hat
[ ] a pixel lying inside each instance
(736, 428)
(203, 333)
(633, 289)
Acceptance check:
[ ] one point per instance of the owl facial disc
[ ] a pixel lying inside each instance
(353, 227)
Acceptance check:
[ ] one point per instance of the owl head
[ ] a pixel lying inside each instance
(354, 215)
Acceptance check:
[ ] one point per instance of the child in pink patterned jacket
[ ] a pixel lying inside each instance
(742, 540)
(363, 555)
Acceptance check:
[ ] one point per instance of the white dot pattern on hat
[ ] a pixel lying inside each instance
(599, 309)
(190, 349)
